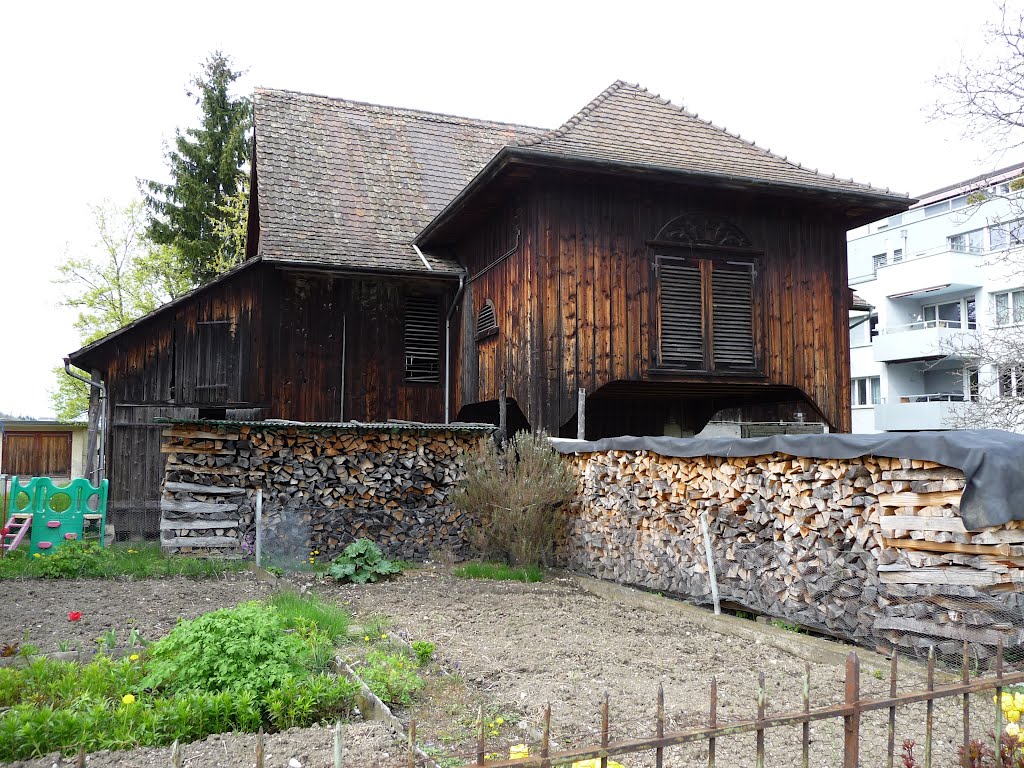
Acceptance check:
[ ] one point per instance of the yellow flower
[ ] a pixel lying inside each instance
(133, 657)
(384, 637)
(366, 638)
(127, 699)
(37, 555)
(1006, 702)
(1018, 701)
(500, 721)
(133, 551)
(1013, 715)
(1012, 729)
(518, 750)
(595, 763)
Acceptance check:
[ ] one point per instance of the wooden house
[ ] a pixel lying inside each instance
(410, 265)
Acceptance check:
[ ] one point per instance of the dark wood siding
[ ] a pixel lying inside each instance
(577, 306)
(37, 454)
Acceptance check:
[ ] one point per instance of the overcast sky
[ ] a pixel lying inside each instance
(95, 89)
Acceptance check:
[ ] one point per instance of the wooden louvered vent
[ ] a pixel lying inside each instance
(422, 339)
(486, 321)
(682, 334)
(732, 315)
(706, 319)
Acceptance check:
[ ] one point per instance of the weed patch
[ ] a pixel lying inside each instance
(78, 560)
(499, 572)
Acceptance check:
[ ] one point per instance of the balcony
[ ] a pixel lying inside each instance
(935, 272)
(918, 412)
(921, 340)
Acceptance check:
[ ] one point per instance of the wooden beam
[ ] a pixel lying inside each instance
(196, 525)
(944, 575)
(197, 507)
(914, 523)
(200, 541)
(933, 629)
(936, 499)
(939, 546)
(213, 490)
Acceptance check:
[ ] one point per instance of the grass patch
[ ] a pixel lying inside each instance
(306, 611)
(499, 572)
(76, 560)
(236, 669)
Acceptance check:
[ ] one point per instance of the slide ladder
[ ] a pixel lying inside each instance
(14, 531)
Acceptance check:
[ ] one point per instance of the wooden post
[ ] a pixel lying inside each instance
(481, 751)
(713, 721)
(851, 722)
(80, 758)
(709, 556)
(503, 412)
(92, 436)
(966, 677)
(259, 748)
(545, 744)
(176, 754)
(762, 697)
(604, 729)
(339, 746)
(929, 710)
(805, 735)
(581, 414)
(999, 696)
(659, 727)
(412, 744)
(891, 746)
(259, 526)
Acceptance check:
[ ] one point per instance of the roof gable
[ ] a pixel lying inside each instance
(347, 184)
(626, 124)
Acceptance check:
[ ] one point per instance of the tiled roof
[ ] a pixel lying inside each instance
(626, 124)
(343, 183)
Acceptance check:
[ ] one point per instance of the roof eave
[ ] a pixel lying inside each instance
(878, 204)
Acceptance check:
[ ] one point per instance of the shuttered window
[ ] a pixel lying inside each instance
(706, 319)
(422, 339)
(37, 454)
(213, 348)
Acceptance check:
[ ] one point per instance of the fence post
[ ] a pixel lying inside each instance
(604, 729)
(805, 736)
(339, 746)
(259, 748)
(545, 744)
(966, 675)
(659, 727)
(259, 526)
(762, 698)
(891, 744)
(412, 744)
(581, 414)
(712, 576)
(713, 721)
(999, 695)
(480, 736)
(929, 710)
(851, 722)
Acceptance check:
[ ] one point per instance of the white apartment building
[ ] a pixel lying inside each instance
(932, 277)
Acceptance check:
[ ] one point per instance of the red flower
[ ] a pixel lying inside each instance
(74, 615)
(4, 531)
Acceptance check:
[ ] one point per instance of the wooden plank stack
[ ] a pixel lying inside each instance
(869, 549)
(323, 487)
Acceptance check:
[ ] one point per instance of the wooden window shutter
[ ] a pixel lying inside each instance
(681, 317)
(213, 349)
(422, 339)
(732, 299)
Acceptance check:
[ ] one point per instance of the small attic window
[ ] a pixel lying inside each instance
(486, 321)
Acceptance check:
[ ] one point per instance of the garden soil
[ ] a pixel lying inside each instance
(512, 648)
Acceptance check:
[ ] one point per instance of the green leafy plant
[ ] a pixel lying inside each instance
(499, 572)
(516, 495)
(392, 676)
(424, 650)
(362, 562)
(76, 559)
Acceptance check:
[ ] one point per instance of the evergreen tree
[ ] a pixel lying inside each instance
(208, 169)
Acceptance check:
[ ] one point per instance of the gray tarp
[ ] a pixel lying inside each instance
(992, 460)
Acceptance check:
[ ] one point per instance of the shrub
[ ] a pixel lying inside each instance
(362, 561)
(75, 560)
(424, 650)
(516, 495)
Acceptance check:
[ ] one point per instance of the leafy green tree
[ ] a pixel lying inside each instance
(123, 278)
(207, 166)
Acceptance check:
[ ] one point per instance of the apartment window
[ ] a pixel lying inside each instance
(706, 313)
(897, 255)
(1009, 307)
(1005, 234)
(866, 391)
(1011, 381)
(936, 208)
(950, 314)
(422, 338)
(972, 383)
(968, 242)
(877, 261)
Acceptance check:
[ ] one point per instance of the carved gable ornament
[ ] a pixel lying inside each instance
(703, 229)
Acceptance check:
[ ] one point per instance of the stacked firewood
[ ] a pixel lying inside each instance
(869, 549)
(323, 487)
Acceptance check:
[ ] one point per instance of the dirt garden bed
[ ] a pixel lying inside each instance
(509, 647)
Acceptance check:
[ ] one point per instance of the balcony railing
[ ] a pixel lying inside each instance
(934, 397)
(919, 325)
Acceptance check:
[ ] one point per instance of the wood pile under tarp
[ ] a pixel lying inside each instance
(869, 549)
(323, 486)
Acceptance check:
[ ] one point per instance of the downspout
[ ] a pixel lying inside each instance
(448, 349)
(101, 437)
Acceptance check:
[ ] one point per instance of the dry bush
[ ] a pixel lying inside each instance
(516, 495)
